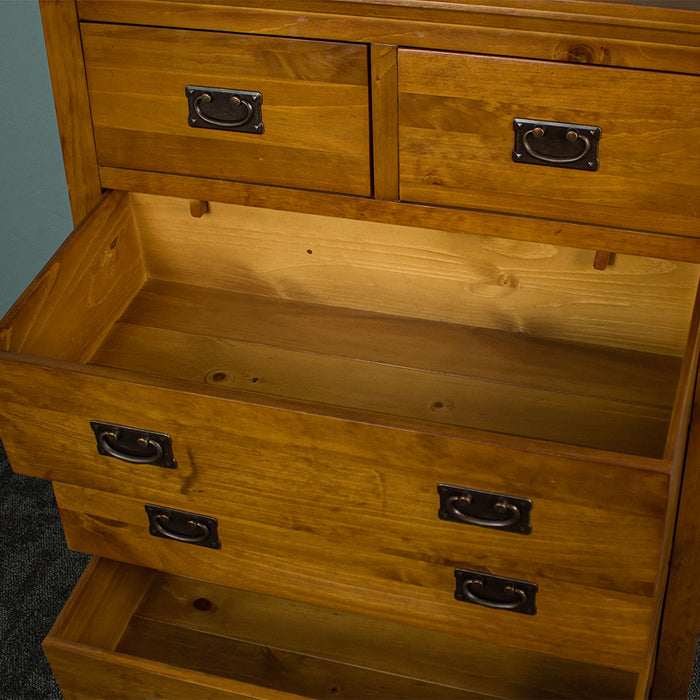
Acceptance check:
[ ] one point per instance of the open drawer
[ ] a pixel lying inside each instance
(320, 382)
(128, 632)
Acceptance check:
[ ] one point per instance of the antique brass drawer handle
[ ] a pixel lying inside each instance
(472, 597)
(234, 101)
(495, 592)
(161, 521)
(501, 507)
(182, 526)
(226, 110)
(496, 511)
(154, 455)
(556, 144)
(571, 136)
(134, 445)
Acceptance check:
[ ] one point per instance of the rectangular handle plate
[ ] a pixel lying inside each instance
(495, 511)
(556, 144)
(134, 445)
(182, 526)
(224, 109)
(495, 592)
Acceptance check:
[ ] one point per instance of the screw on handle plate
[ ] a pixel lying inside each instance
(556, 144)
(225, 109)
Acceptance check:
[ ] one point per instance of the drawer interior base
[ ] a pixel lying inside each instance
(288, 647)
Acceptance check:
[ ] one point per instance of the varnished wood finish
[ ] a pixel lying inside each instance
(681, 618)
(365, 643)
(62, 37)
(590, 237)
(601, 33)
(82, 290)
(172, 332)
(538, 289)
(385, 136)
(322, 367)
(575, 621)
(183, 627)
(315, 106)
(456, 116)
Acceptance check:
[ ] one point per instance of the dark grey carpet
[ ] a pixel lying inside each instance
(37, 573)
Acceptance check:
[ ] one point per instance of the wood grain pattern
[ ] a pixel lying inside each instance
(86, 673)
(369, 643)
(63, 48)
(455, 143)
(518, 395)
(681, 619)
(533, 288)
(605, 34)
(231, 452)
(280, 669)
(315, 106)
(573, 621)
(588, 237)
(385, 136)
(70, 306)
(99, 609)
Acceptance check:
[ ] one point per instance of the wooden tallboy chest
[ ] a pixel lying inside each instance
(368, 370)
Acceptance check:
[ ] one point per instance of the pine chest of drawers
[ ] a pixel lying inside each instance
(369, 368)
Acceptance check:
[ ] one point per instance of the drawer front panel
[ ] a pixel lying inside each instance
(314, 105)
(574, 621)
(456, 122)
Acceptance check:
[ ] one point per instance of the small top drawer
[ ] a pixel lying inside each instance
(314, 94)
(457, 138)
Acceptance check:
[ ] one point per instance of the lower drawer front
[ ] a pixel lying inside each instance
(179, 637)
(573, 619)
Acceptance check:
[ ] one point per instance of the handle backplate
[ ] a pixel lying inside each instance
(182, 526)
(556, 144)
(497, 592)
(495, 511)
(134, 445)
(224, 109)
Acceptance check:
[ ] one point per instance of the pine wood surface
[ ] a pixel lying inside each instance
(456, 141)
(602, 33)
(85, 673)
(574, 620)
(65, 56)
(198, 346)
(314, 106)
(357, 641)
(235, 456)
(584, 236)
(385, 136)
(82, 290)
(533, 288)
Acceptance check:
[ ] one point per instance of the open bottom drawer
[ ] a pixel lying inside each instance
(319, 379)
(128, 632)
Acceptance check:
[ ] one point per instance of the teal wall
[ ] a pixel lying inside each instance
(34, 208)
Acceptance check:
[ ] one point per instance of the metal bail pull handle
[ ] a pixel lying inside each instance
(471, 596)
(501, 507)
(160, 522)
(155, 455)
(234, 101)
(572, 136)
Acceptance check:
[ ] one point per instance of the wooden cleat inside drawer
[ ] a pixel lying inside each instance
(128, 632)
